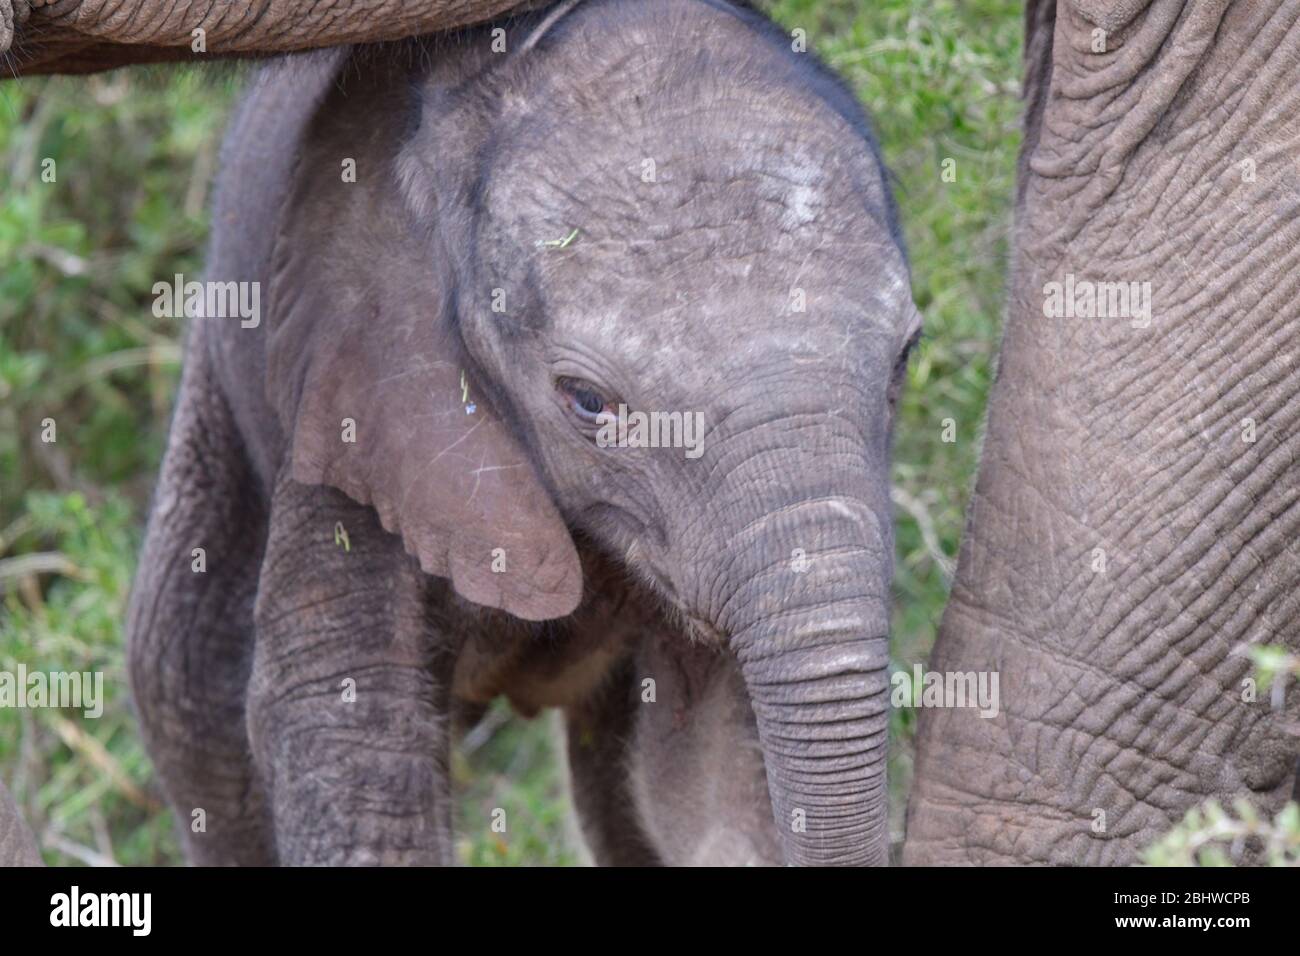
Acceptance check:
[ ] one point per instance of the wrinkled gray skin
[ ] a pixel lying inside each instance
(1124, 690)
(770, 675)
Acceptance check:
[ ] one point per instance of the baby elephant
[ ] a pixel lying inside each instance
(572, 380)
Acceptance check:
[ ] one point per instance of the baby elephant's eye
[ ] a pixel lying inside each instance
(587, 403)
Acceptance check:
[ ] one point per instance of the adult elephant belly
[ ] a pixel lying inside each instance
(42, 36)
(1133, 529)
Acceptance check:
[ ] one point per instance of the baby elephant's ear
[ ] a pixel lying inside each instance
(376, 395)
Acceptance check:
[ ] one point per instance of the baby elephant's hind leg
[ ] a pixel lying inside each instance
(600, 731)
(190, 629)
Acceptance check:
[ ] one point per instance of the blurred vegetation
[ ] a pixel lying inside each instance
(134, 153)
(1210, 836)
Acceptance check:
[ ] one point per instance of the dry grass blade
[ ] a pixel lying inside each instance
(94, 752)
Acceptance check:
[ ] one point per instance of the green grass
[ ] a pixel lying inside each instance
(134, 155)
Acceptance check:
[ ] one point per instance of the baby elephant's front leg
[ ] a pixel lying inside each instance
(347, 706)
(695, 761)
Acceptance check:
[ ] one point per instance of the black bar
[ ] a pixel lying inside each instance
(214, 907)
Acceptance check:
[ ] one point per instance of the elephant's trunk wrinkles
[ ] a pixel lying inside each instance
(814, 653)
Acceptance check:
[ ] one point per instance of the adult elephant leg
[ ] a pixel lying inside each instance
(348, 701)
(189, 634)
(1133, 526)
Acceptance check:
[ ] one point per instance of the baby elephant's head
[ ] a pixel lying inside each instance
(630, 270)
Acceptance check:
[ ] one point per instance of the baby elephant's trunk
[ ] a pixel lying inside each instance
(815, 655)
